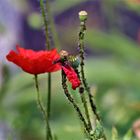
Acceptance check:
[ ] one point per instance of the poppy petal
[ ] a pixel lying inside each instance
(35, 62)
(72, 76)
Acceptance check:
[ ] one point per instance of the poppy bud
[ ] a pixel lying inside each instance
(63, 53)
(83, 15)
(74, 61)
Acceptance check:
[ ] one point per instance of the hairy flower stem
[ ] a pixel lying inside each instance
(83, 99)
(52, 25)
(42, 109)
(76, 107)
(45, 24)
(84, 81)
(48, 106)
(49, 95)
(81, 52)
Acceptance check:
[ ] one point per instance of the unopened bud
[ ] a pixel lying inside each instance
(74, 61)
(83, 15)
(63, 53)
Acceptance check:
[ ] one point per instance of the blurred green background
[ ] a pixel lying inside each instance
(112, 66)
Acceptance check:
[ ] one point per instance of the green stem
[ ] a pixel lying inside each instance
(49, 95)
(76, 107)
(49, 74)
(45, 24)
(49, 99)
(83, 99)
(84, 81)
(42, 108)
(81, 52)
(52, 25)
(84, 102)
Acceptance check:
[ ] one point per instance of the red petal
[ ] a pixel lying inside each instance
(72, 76)
(35, 62)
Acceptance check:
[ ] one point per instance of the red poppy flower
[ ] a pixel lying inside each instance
(72, 76)
(40, 62)
(35, 62)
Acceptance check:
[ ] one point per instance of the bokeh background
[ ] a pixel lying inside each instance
(112, 65)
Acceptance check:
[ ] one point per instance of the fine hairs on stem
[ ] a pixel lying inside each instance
(48, 106)
(83, 18)
(52, 25)
(43, 12)
(81, 53)
(84, 102)
(83, 99)
(42, 109)
(76, 107)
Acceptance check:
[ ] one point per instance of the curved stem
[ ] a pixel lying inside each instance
(42, 109)
(76, 107)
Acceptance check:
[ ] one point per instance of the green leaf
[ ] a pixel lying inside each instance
(128, 135)
(114, 134)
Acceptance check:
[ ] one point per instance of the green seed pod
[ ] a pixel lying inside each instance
(74, 61)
